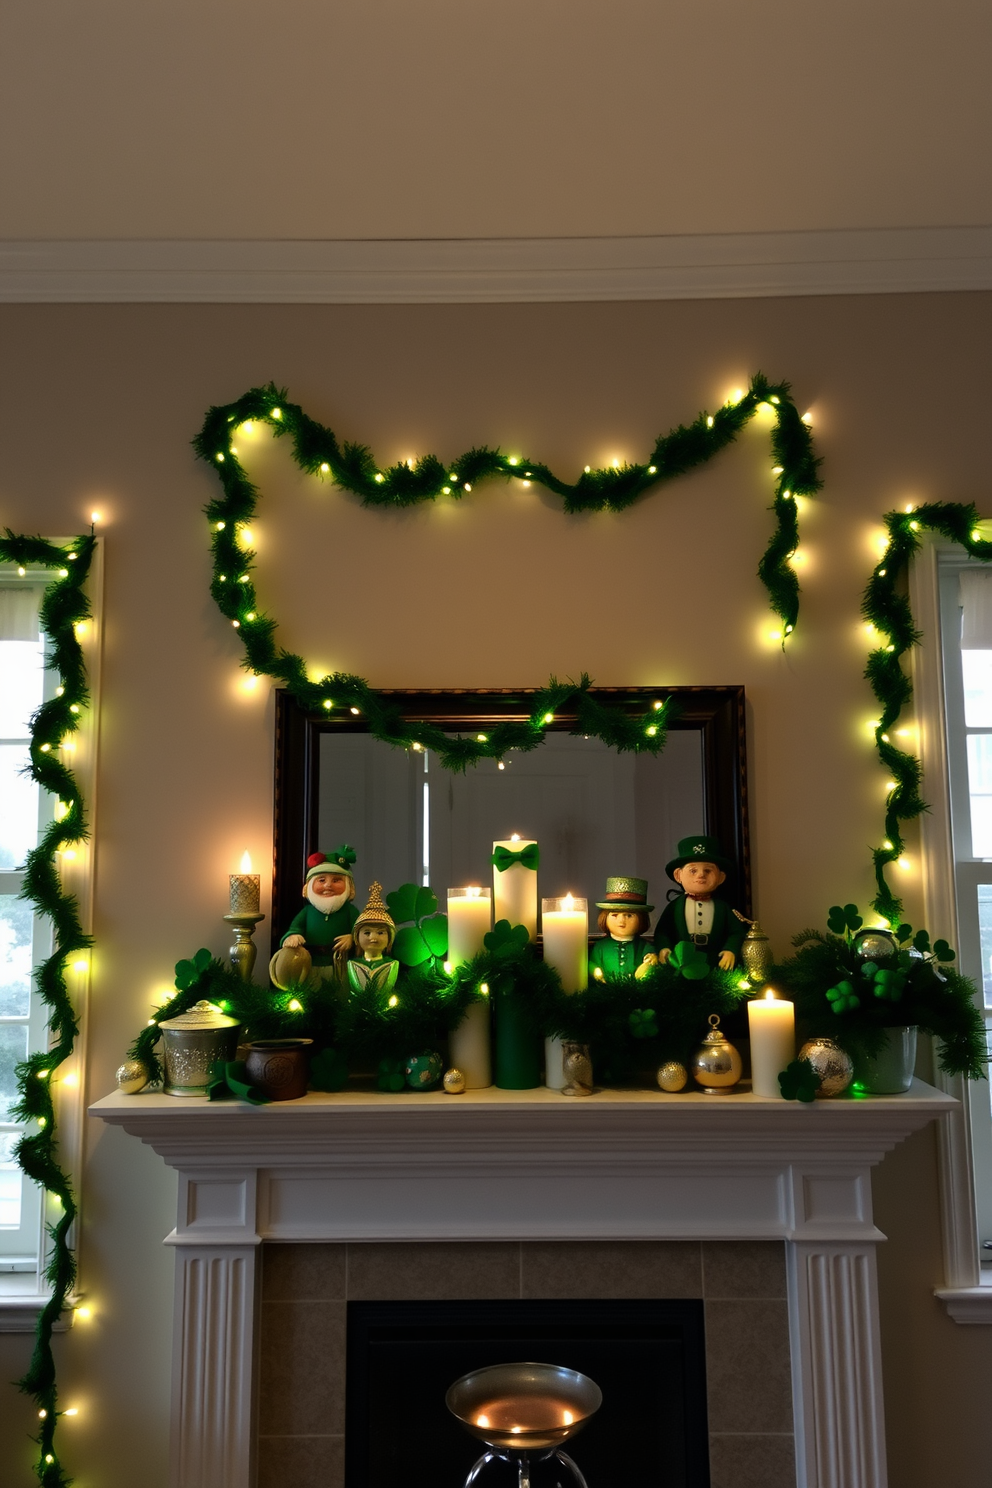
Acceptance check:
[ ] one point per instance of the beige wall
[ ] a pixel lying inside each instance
(454, 118)
(97, 407)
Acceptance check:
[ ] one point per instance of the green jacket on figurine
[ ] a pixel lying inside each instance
(320, 930)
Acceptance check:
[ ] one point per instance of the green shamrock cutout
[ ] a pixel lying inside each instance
(328, 1070)
(643, 1023)
(799, 1081)
(505, 939)
(188, 972)
(844, 919)
(843, 997)
(427, 938)
(689, 961)
(391, 1075)
(889, 985)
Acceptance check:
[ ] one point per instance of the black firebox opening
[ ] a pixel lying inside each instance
(647, 1358)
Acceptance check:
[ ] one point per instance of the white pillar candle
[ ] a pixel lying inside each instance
(469, 1046)
(772, 1024)
(515, 889)
(470, 918)
(565, 931)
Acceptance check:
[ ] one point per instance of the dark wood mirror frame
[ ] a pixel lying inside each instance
(717, 712)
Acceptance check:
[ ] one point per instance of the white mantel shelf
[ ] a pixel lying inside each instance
(529, 1165)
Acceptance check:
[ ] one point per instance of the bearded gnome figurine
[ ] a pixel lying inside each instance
(698, 914)
(321, 931)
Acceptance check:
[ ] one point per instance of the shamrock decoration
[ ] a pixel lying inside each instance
(427, 938)
(844, 919)
(843, 997)
(505, 940)
(799, 1081)
(888, 984)
(391, 1075)
(328, 1070)
(188, 972)
(689, 961)
(643, 1023)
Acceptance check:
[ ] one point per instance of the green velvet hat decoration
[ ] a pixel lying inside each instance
(700, 849)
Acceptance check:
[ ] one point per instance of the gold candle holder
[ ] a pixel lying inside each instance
(244, 950)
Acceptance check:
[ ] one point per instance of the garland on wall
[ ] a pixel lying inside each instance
(317, 451)
(64, 606)
(886, 608)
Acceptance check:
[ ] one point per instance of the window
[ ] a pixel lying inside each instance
(966, 630)
(24, 937)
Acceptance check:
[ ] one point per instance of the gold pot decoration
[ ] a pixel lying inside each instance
(717, 1065)
(194, 1043)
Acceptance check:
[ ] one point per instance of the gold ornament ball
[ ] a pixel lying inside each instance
(834, 1067)
(672, 1076)
(454, 1081)
(131, 1077)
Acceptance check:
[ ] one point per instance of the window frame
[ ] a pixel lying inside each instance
(23, 1294)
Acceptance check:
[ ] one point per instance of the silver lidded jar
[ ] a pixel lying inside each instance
(195, 1042)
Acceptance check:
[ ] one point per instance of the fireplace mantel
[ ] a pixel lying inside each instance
(528, 1166)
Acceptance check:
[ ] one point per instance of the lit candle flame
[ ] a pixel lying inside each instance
(473, 893)
(568, 903)
(246, 862)
(567, 1418)
(771, 995)
(482, 1421)
(515, 837)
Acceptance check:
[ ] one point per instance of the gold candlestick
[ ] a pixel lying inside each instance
(244, 950)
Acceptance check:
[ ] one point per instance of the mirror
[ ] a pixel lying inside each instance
(594, 812)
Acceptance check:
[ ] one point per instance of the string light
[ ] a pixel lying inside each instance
(294, 1005)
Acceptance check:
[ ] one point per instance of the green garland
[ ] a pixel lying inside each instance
(886, 607)
(627, 1022)
(318, 452)
(65, 604)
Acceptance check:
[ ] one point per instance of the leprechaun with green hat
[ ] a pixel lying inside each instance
(698, 914)
(322, 929)
(624, 915)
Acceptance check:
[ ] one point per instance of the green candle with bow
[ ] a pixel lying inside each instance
(515, 861)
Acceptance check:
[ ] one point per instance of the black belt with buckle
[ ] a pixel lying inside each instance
(700, 940)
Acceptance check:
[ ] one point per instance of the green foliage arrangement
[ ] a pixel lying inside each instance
(64, 606)
(842, 993)
(317, 450)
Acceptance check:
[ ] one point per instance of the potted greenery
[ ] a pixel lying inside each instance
(870, 989)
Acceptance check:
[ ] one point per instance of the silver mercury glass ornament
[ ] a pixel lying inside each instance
(195, 1042)
(829, 1061)
(875, 945)
(717, 1066)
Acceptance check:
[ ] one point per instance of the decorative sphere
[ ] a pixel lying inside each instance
(454, 1081)
(875, 945)
(423, 1071)
(672, 1076)
(834, 1067)
(131, 1077)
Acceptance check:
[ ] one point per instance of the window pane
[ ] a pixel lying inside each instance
(18, 807)
(980, 792)
(976, 668)
(985, 929)
(22, 679)
(13, 1050)
(16, 925)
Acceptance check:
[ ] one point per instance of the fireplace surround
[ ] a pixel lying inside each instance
(612, 1191)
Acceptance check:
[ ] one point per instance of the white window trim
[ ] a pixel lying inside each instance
(966, 1299)
(19, 1310)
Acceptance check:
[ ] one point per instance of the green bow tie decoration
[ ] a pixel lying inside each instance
(504, 858)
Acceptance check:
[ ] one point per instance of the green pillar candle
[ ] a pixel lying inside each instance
(518, 1046)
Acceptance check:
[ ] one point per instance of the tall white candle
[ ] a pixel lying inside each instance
(772, 1024)
(470, 918)
(565, 928)
(565, 931)
(515, 888)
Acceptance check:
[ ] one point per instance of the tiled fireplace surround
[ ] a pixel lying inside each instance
(761, 1208)
(305, 1290)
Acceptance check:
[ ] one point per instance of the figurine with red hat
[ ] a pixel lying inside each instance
(322, 929)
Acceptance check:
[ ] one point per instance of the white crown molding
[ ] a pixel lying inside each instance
(465, 270)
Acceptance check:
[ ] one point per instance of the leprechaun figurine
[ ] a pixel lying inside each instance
(697, 914)
(624, 916)
(373, 938)
(321, 931)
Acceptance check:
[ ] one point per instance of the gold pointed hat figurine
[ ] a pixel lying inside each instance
(375, 913)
